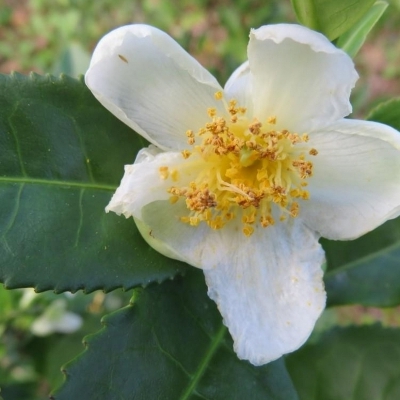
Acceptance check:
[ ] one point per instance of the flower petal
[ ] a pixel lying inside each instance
(298, 76)
(268, 287)
(148, 81)
(142, 182)
(355, 185)
(238, 87)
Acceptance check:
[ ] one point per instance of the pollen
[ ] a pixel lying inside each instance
(186, 154)
(218, 95)
(163, 171)
(174, 175)
(241, 172)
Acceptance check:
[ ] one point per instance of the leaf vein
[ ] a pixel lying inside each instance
(168, 355)
(78, 231)
(14, 214)
(215, 343)
(17, 144)
(84, 152)
(39, 181)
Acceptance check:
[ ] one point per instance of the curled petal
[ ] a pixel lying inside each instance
(268, 287)
(144, 182)
(355, 186)
(298, 76)
(148, 81)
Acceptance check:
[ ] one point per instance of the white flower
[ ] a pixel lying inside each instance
(243, 189)
(56, 318)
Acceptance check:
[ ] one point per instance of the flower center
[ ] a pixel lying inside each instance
(244, 168)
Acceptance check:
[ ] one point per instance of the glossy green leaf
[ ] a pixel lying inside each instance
(171, 345)
(62, 156)
(367, 270)
(353, 39)
(387, 113)
(355, 363)
(19, 391)
(331, 17)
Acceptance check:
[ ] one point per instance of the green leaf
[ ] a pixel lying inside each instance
(170, 344)
(20, 391)
(366, 270)
(51, 352)
(62, 158)
(359, 363)
(331, 17)
(353, 39)
(387, 113)
(74, 61)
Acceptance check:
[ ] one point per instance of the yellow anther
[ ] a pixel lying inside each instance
(228, 216)
(216, 223)
(294, 209)
(305, 195)
(248, 230)
(218, 95)
(242, 169)
(211, 112)
(249, 218)
(266, 220)
(173, 199)
(186, 154)
(194, 221)
(174, 175)
(255, 127)
(163, 171)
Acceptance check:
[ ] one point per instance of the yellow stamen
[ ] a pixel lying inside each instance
(186, 154)
(163, 171)
(174, 175)
(248, 230)
(218, 95)
(241, 169)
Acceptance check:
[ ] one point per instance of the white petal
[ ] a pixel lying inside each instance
(147, 80)
(142, 182)
(159, 246)
(56, 319)
(355, 186)
(68, 323)
(299, 76)
(238, 87)
(185, 241)
(268, 287)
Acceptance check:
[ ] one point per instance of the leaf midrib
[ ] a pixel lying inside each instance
(204, 363)
(37, 181)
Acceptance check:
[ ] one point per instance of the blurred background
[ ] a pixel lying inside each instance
(53, 36)
(40, 332)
